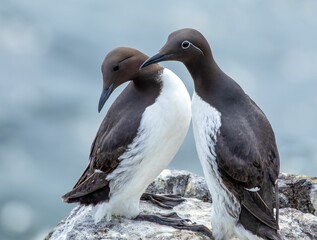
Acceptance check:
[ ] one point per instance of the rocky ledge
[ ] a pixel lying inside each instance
(298, 211)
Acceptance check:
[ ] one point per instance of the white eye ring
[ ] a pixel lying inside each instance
(185, 44)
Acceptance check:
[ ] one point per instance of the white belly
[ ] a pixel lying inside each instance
(163, 128)
(225, 207)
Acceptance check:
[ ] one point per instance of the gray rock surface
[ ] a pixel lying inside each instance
(295, 225)
(299, 192)
(180, 182)
(80, 225)
(297, 198)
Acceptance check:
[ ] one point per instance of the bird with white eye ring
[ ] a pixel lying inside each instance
(234, 140)
(185, 44)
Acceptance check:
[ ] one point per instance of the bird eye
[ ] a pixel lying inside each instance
(116, 68)
(185, 44)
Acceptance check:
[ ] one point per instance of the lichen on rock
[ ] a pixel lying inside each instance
(298, 192)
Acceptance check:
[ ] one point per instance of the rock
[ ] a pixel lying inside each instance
(80, 224)
(296, 192)
(180, 182)
(296, 225)
(299, 192)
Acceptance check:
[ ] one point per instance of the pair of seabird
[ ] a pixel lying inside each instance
(147, 123)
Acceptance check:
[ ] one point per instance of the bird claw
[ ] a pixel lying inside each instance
(175, 221)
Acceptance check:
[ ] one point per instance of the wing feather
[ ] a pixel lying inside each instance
(248, 158)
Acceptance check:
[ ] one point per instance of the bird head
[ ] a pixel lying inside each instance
(183, 45)
(120, 65)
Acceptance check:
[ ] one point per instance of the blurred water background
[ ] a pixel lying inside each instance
(50, 82)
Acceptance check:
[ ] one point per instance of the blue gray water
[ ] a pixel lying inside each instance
(50, 81)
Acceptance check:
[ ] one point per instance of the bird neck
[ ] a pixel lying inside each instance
(212, 84)
(147, 79)
(205, 73)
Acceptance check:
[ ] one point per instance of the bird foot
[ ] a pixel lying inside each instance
(175, 221)
(163, 201)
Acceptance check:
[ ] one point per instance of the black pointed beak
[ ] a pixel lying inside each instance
(106, 92)
(155, 59)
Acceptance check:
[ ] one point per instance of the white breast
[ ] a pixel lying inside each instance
(163, 128)
(225, 208)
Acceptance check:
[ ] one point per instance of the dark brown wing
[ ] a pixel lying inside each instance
(116, 132)
(92, 187)
(114, 135)
(238, 155)
(247, 158)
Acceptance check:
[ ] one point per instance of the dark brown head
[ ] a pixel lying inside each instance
(120, 65)
(185, 45)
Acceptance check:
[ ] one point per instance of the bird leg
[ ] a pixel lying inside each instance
(163, 201)
(175, 221)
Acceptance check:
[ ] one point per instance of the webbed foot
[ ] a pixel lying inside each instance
(163, 201)
(175, 221)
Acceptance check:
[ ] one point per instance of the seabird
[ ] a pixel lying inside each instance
(139, 136)
(234, 141)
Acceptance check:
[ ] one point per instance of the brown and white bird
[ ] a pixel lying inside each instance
(234, 140)
(139, 136)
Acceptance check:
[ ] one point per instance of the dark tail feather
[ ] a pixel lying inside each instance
(257, 227)
(93, 190)
(93, 198)
(269, 233)
(257, 207)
